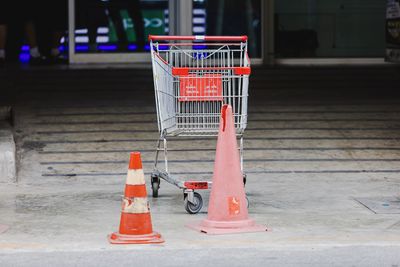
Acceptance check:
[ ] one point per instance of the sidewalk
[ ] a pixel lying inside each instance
(305, 213)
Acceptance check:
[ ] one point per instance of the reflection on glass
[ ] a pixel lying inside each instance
(335, 28)
(233, 17)
(118, 25)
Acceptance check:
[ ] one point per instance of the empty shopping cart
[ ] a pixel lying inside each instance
(193, 77)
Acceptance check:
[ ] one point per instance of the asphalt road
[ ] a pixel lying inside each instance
(158, 256)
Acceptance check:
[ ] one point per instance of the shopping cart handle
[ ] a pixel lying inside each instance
(196, 37)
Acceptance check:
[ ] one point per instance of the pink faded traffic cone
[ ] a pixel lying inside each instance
(227, 209)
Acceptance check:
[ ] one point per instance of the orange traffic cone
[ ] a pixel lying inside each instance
(135, 226)
(227, 209)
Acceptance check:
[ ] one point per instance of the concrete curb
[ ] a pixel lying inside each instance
(8, 167)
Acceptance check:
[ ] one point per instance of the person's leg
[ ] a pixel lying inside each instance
(31, 37)
(92, 29)
(114, 12)
(3, 33)
(45, 19)
(13, 30)
(135, 13)
(55, 43)
(3, 36)
(58, 29)
(31, 19)
(95, 18)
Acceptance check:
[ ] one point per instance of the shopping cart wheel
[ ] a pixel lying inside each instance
(247, 201)
(155, 185)
(244, 179)
(197, 204)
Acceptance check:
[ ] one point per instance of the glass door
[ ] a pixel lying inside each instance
(317, 29)
(114, 31)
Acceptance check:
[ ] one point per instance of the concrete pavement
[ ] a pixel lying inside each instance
(309, 157)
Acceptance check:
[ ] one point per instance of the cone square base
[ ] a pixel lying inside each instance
(207, 227)
(153, 238)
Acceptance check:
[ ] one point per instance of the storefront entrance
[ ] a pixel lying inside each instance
(280, 32)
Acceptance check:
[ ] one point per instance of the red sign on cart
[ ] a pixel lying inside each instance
(200, 88)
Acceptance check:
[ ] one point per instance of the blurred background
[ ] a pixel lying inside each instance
(112, 31)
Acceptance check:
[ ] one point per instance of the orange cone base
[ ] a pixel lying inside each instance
(153, 238)
(228, 227)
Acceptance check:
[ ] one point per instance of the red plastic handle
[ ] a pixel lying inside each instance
(197, 37)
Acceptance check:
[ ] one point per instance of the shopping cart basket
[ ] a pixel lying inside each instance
(193, 77)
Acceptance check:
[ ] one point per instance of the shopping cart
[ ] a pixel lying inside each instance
(193, 77)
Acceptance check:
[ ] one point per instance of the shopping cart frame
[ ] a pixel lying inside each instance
(192, 200)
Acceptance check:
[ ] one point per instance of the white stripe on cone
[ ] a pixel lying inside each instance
(135, 205)
(135, 177)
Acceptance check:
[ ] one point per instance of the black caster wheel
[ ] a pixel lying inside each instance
(197, 204)
(155, 185)
(244, 179)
